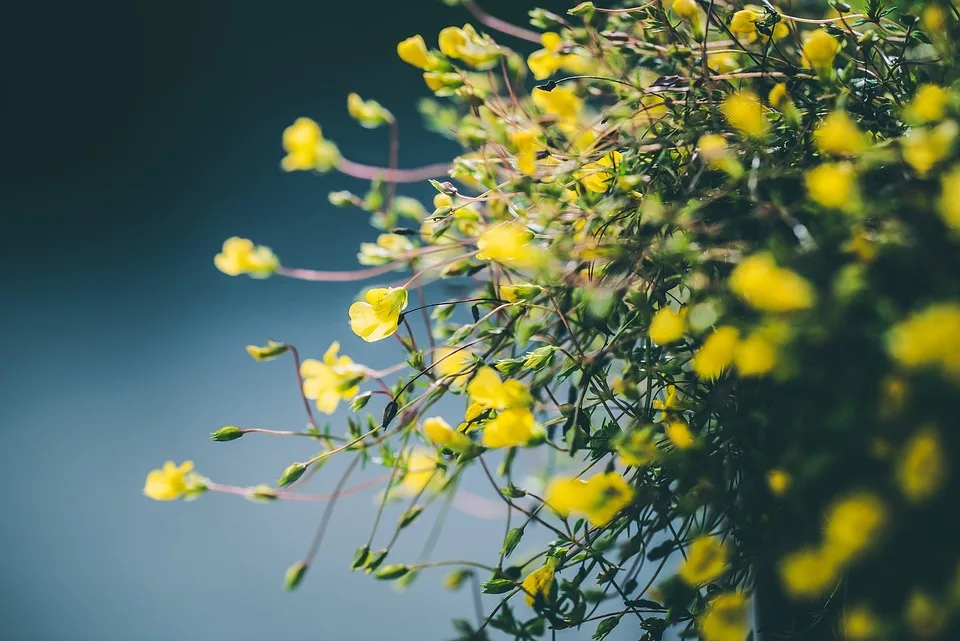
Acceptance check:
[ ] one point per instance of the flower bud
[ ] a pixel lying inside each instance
(293, 472)
(227, 433)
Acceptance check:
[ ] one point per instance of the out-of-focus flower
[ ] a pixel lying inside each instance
(779, 481)
(600, 498)
(744, 25)
(545, 62)
(852, 524)
(596, 176)
(413, 51)
(440, 433)
(763, 285)
(708, 558)
(513, 427)
(860, 624)
(331, 380)
(726, 618)
(454, 363)
(744, 111)
(833, 185)
(929, 338)
(388, 247)
(490, 392)
(469, 46)
(241, 256)
(819, 50)
(171, 482)
(925, 148)
(637, 449)
(949, 204)
(717, 353)
(420, 472)
(809, 572)
(839, 135)
(668, 326)
(307, 149)
(924, 615)
(678, 433)
(509, 243)
(369, 113)
(922, 468)
(929, 104)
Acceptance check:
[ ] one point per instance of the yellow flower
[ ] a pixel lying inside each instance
(539, 583)
(511, 428)
(668, 326)
(929, 104)
(924, 616)
(421, 472)
(708, 558)
(525, 141)
(171, 482)
(690, 12)
(489, 392)
(241, 256)
(778, 96)
(545, 62)
(933, 19)
(949, 204)
(519, 292)
(755, 356)
(637, 449)
(930, 337)
(453, 363)
(779, 481)
(723, 63)
(922, 468)
(924, 148)
(388, 247)
(669, 402)
(378, 315)
(860, 624)
(744, 25)
(678, 432)
(833, 185)
(717, 353)
(440, 432)
(819, 50)
(809, 572)
(436, 81)
(509, 243)
(561, 102)
(467, 45)
(744, 111)
(307, 149)
(852, 524)
(330, 380)
(599, 498)
(839, 135)
(763, 285)
(413, 51)
(726, 618)
(714, 151)
(594, 175)
(369, 113)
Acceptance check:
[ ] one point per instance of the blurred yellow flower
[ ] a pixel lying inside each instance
(545, 62)
(378, 315)
(369, 113)
(668, 326)
(924, 616)
(539, 582)
(852, 524)
(715, 152)
(949, 203)
(807, 573)
(454, 363)
(833, 185)
(636, 448)
(922, 468)
(420, 472)
(307, 149)
(755, 356)
(441, 434)
(744, 25)
(561, 102)
(929, 104)
(525, 141)
(678, 433)
(723, 63)
(779, 481)
(413, 51)
(467, 45)
(599, 498)
(708, 558)
(519, 291)
(744, 111)
(595, 175)
(839, 135)
(762, 284)
(860, 624)
(668, 404)
(691, 13)
(241, 256)
(511, 428)
(819, 50)
(170, 482)
(509, 243)
(924, 148)
(330, 380)
(717, 353)
(489, 392)
(930, 337)
(726, 618)
(388, 247)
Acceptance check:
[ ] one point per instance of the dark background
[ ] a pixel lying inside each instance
(136, 137)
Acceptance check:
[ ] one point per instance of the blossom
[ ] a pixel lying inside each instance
(413, 51)
(595, 175)
(949, 203)
(744, 25)
(511, 428)
(779, 481)
(467, 45)
(453, 363)
(928, 338)
(744, 111)
(600, 498)
(420, 472)
(808, 572)
(723, 63)
(924, 615)
(708, 558)
(509, 243)
(440, 432)
(763, 285)
(726, 618)
(668, 326)
(852, 524)
(561, 102)
(378, 315)
(691, 13)
(714, 151)
(545, 62)
(171, 482)
(241, 256)
(369, 113)
(924, 148)
(717, 352)
(525, 141)
(538, 583)
(678, 433)
(839, 135)
(922, 468)
(519, 291)
(756, 355)
(929, 104)
(819, 50)
(307, 149)
(860, 624)
(489, 392)
(669, 402)
(388, 247)
(833, 185)
(637, 449)
(330, 380)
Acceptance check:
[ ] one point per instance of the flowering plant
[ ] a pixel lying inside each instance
(714, 272)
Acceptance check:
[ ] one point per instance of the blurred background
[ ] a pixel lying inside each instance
(137, 137)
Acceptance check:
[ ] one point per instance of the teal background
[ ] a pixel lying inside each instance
(137, 137)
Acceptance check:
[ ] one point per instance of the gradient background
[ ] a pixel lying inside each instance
(138, 136)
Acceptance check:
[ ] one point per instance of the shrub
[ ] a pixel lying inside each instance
(713, 264)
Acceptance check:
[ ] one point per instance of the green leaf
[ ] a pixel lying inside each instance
(605, 627)
(376, 558)
(391, 572)
(360, 557)
(410, 515)
(497, 586)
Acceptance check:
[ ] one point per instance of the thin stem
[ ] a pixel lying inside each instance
(500, 25)
(370, 172)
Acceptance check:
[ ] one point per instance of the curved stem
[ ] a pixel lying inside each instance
(370, 172)
(500, 25)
